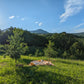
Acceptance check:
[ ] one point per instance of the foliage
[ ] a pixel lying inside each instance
(65, 54)
(34, 39)
(65, 45)
(37, 53)
(77, 50)
(16, 46)
(4, 35)
(63, 40)
(1, 49)
(49, 51)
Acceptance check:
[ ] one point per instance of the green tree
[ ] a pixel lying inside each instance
(77, 50)
(37, 53)
(65, 54)
(16, 46)
(49, 51)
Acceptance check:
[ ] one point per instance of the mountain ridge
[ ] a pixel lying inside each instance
(79, 34)
(39, 31)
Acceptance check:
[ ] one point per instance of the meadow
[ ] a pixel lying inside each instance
(64, 71)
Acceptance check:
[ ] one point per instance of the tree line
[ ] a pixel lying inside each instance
(18, 41)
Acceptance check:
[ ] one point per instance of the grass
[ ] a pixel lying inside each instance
(64, 72)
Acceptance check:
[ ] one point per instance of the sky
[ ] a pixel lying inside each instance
(54, 16)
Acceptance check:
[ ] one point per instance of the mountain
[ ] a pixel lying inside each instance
(39, 31)
(79, 34)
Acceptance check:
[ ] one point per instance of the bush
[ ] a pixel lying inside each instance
(37, 53)
(49, 51)
(16, 46)
(66, 54)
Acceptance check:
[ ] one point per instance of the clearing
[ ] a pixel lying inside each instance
(64, 72)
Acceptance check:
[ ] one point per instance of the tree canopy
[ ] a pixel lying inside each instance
(66, 45)
(16, 45)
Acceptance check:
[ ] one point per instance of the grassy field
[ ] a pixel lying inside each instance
(64, 71)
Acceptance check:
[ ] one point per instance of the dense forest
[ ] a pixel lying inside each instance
(61, 45)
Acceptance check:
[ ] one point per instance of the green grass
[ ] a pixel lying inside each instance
(64, 71)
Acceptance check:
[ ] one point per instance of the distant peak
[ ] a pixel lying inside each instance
(39, 31)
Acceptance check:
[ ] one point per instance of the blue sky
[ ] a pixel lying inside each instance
(50, 15)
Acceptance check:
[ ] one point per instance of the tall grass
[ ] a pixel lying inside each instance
(64, 71)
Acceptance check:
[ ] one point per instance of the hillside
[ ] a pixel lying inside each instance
(39, 31)
(65, 45)
(59, 48)
(79, 34)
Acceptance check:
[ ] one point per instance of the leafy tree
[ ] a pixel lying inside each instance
(77, 50)
(4, 35)
(34, 39)
(65, 54)
(16, 46)
(49, 51)
(63, 40)
(1, 49)
(37, 53)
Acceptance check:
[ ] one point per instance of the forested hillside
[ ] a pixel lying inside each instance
(18, 48)
(79, 34)
(62, 45)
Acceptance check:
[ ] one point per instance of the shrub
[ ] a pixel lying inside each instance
(49, 51)
(16, 46)
(37, 53)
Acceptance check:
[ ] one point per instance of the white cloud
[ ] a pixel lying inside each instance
(71, 7)
(22, 19)
(40, 24)
(79, 30)
(81, 24)
(11, 17)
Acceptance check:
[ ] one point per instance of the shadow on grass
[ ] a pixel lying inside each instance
(27, 61)
(31, 75)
